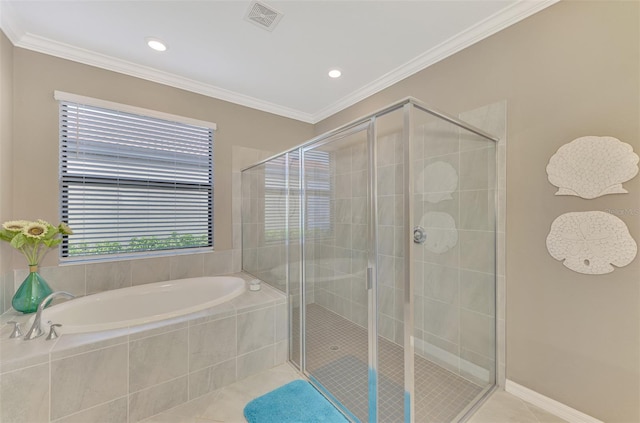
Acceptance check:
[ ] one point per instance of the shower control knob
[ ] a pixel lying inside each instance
(419, 235)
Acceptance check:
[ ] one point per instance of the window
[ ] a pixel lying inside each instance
(318, 195)
(133, 183)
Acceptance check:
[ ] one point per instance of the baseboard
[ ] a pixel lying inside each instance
(552, 406)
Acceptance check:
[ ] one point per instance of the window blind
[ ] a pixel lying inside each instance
(318, 195)
(133, 183)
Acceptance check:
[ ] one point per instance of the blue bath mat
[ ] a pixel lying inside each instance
(295, 402)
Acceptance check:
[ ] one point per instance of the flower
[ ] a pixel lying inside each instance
(15, 225)
(33, 239)
(35, 230)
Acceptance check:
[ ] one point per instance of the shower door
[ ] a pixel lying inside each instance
(338, 263)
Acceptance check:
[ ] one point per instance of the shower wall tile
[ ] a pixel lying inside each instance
(343, 185)
(386, 271)
(360, 182)
(477, 368)
(386, 300)
(477, 292)
(359, 157)
(17, 389)
(474, 169)
(386, 327)
(88, 379)
(111, 412)
(157, 359)
(106, 276)
(477, 210)
(398, 306)
(477, 251)
(440, 138)
(386, 210)
(386, 151)
(386, 240)
(343, 161)
(477, 332)
(387, 180)
(399, 179)
(441, 283)
(158, 398)
(449, 258)
(442, 320)
(343, 210)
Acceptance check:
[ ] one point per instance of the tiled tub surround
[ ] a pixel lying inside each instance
(129, 374)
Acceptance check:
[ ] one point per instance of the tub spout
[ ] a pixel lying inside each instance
(36, 329)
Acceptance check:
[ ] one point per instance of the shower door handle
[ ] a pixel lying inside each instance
(369, 277)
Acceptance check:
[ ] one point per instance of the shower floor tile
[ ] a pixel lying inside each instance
(337, 357)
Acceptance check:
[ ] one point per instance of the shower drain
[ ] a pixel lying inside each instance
(334, 348)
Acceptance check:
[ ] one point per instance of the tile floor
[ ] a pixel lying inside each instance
(337, 357)
(226, 404)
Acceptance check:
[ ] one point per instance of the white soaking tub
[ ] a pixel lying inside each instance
(137, 305)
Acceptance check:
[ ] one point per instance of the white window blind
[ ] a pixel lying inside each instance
(318, 195)
(132, 183)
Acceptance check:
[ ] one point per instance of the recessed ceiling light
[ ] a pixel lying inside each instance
(156, 44)
(335, 73)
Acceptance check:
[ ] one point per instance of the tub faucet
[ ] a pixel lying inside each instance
(36, 330)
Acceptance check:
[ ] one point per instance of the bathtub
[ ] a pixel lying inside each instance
(137, 305)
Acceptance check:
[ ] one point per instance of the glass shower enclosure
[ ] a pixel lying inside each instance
(382, 234)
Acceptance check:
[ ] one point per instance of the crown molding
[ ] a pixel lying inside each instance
(484, 29)
(10, 25)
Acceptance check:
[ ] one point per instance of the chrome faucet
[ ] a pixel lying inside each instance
(36, 330)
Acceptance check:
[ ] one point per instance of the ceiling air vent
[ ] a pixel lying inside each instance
(266, 17)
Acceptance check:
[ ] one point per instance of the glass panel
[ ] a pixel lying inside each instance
(335, 261)
(294, 259)
(390, 260)
(264, 222)
(453, 267)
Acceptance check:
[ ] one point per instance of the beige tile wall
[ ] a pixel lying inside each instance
(141, 371)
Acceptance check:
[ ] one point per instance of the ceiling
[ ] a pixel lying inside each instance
(212, 50)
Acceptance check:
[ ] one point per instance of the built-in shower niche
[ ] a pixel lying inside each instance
(375, 318)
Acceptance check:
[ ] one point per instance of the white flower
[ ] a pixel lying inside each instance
(35, 230)
(15, 225)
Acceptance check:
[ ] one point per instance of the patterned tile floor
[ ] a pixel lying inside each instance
(337, 357)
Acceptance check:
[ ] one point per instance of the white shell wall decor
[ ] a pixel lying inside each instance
(439, 180)
(591, 242)
(442, 234)
(591, 166)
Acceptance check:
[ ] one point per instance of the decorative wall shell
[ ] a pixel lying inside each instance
(442, 234)
(590, 167)
(591, 242)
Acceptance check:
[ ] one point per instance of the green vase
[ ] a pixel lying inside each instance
(33, 290)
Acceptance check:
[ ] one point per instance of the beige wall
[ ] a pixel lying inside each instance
(568, 71)
(571, 70)
(35, 145)
(6, 167)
